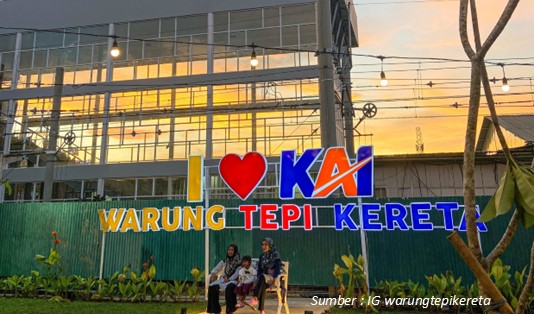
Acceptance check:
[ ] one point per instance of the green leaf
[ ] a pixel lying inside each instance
(525, 187)
(504, 196)
(489, 212)
(152, 271)
(347, 260)
(40, 258)
(526, 218)
(54, 257)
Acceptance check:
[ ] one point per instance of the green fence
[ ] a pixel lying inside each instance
(25, 230)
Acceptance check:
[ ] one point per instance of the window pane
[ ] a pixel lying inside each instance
(101, 33)
(26, 59)
(144, 187)
(48, 39)
(119, 187)
(179, 186)
(161, 186)
(197, 24)
(307, 34)
(271, 17)
(7, 60)
(27, 40)
(246, 19)
(167, 28)
(158, 49)
(145, 29)
(290, 36)
(135, 51)
(85, 55)
(7, 42)
(298, 14)
(39, 60)
(71, 37)
(220, 21)
(269, 37)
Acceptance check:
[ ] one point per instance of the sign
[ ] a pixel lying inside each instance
(335, 172)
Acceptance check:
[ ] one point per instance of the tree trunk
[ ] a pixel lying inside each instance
(480, 273)
(478, 75)
(469, 161)
(529, 286)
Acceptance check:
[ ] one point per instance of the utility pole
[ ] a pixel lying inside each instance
(54, 134)
(348, 110)
(326, 74)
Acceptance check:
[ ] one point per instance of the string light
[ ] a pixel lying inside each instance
(115, 52)
(253, 58)
(383, 80)
(505, 87)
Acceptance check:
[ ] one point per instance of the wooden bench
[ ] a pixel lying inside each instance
(279, 286)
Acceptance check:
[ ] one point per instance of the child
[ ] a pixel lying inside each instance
(247, 277)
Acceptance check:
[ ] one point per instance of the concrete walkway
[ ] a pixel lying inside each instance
(296, 306)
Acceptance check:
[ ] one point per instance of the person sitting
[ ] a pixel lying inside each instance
(229, 270)
(247, 277)
(269, 266)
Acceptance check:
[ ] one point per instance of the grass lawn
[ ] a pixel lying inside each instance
(42, 306)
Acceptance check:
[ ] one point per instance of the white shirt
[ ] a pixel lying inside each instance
(247, 276)
(218, 270)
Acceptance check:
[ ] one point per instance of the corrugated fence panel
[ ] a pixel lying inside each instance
(25, 230)
(175, 253)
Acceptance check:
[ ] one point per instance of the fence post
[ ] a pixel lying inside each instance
(365, 255)
(101, 272)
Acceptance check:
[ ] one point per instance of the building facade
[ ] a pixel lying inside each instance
(183, 84)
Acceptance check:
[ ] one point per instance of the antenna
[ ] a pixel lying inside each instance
(419, 145)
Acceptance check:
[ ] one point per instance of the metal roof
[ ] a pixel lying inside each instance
(521, 126)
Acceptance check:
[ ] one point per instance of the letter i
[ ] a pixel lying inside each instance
(195, 178)
(307, 209)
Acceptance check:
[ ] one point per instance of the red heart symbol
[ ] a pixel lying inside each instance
(243, 175)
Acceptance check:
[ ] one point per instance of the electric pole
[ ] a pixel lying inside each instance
(326, 74)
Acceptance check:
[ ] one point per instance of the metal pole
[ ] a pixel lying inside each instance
(105, 116)
(170, 190)
(207, 186)
(348, 111)
(51, 153)
(326, 74)
(102, 250)
(363, 239)
(209, 107)
(173, 119)
(94, 144)
(254, 120)
(209, 154)
(12, 104)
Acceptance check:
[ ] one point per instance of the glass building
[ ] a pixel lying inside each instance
(183, 84)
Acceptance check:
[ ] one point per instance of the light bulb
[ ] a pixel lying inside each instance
(115, 52)
(505, 87)
(383, 80)
(253, 59)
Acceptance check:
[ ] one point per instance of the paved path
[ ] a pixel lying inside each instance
(296, 306)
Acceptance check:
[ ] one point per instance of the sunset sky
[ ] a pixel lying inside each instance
(418, 29)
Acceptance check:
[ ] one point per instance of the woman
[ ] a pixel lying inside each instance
(269, 266)
(229, 271)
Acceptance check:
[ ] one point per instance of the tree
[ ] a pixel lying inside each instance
(517, 184)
